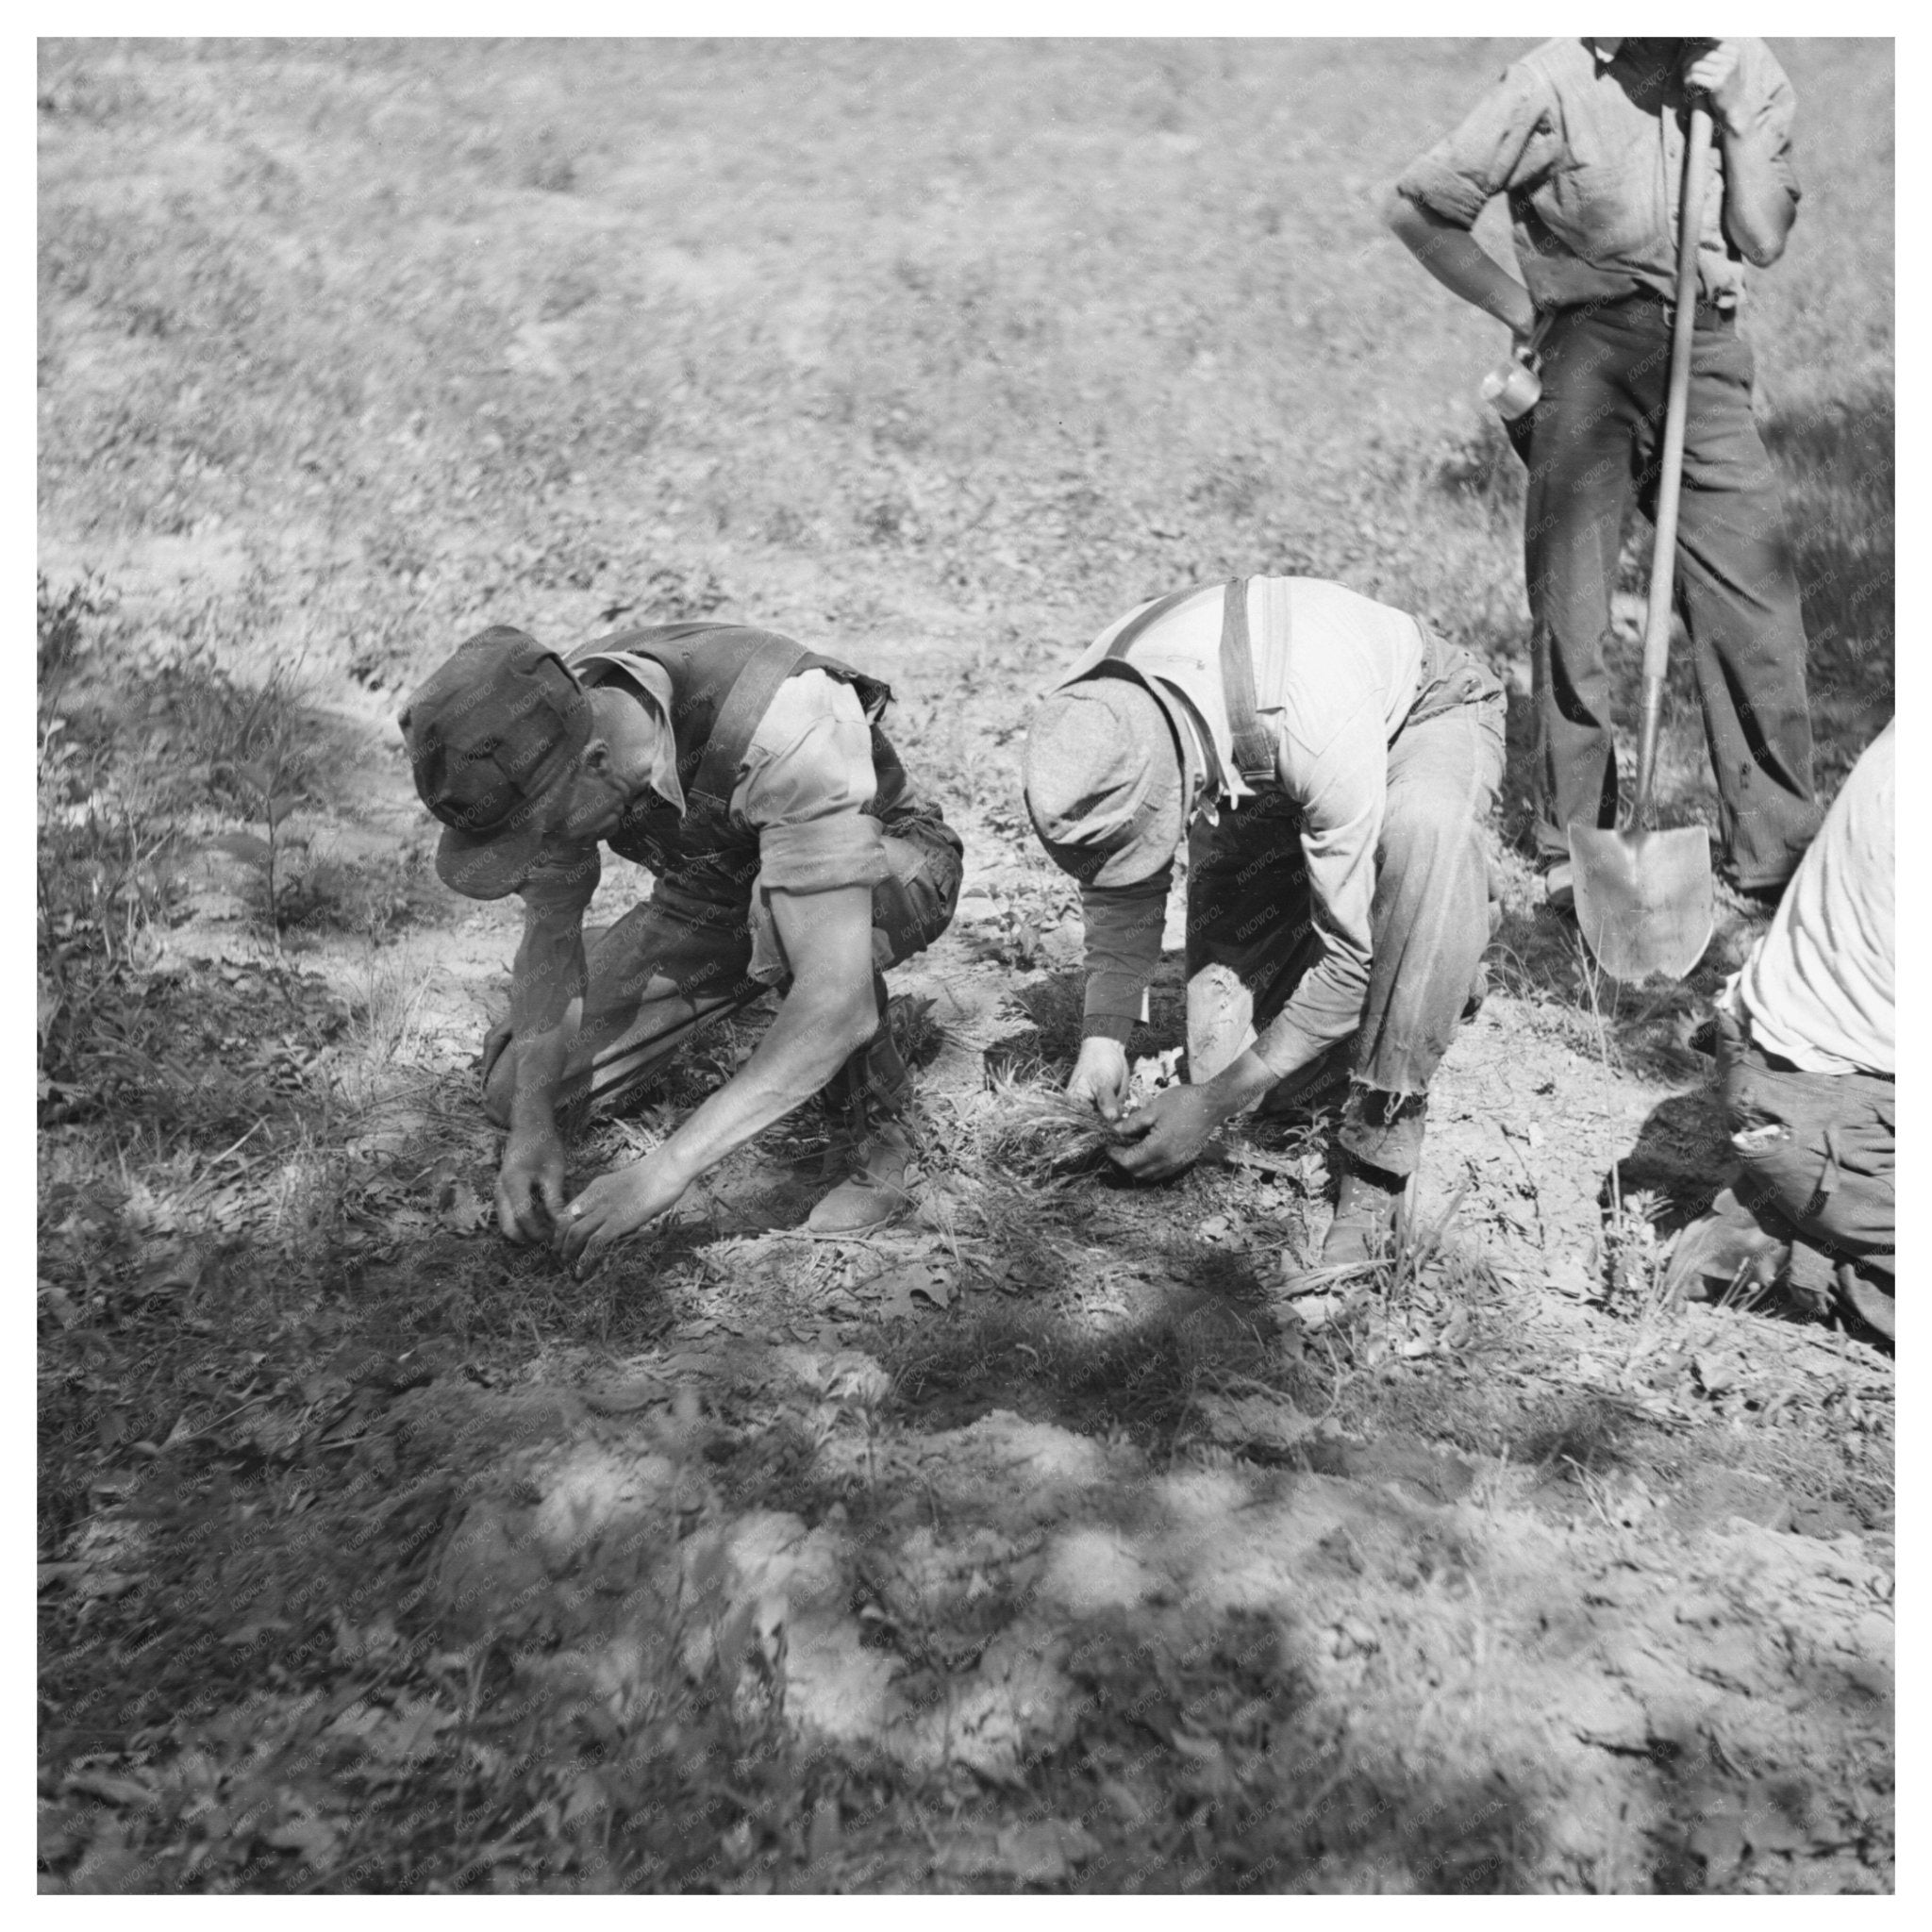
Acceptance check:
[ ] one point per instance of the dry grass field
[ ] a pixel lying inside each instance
(1037, 1543)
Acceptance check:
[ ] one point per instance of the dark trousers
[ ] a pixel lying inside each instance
(1819, 1153)
(677, 964)
(1251, 937)
(1594, 438)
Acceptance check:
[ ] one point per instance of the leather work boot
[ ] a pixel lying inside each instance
(874, 1190)
(1363, 1230)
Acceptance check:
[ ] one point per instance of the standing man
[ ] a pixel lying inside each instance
(1586, 138)
(750, 775)
(1331, 763)
(1807, 1059)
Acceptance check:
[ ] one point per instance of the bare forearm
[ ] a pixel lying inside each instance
(1758, 208)
(1461, 264)
(808, 1043)
(540, 1060)
(547, 976)
(1241, 1084)
(1282, 1051)
(1324, 1008)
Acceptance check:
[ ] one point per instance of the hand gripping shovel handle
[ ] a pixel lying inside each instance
(1664, 567)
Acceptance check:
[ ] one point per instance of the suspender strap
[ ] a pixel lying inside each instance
(1254, 752)
(1254, 755)
(743, 709)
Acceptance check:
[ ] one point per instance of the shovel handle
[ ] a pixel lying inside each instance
(1664, 567)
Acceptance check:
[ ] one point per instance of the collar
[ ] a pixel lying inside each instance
(648, 681)
(1605, 50)
(664, 779)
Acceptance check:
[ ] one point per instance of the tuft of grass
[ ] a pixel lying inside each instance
(387, 1018)
(1027, 1125)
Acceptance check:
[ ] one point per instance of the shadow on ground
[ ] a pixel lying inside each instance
(1682, 1154)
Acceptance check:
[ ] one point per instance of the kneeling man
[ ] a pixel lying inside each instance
(750, 775)
(1331, 763)
(1807, 1056)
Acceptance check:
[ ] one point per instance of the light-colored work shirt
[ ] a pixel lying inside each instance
(1336, 676)
(1817, 989)
(1583, 137)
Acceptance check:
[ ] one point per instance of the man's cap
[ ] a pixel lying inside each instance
(1104, 783)
(494, 734)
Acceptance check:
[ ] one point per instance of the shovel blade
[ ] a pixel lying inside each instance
(1644, 900)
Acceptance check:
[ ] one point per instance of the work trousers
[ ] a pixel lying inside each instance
(1819, 1153)
(1252, 936)
(1594, 438)
(679, 963)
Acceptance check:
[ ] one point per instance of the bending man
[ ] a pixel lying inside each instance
(750, 775)
(1807, 1043)
(1331, 763)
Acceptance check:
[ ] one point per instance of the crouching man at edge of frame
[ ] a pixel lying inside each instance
(751, 776)
(1807, 1038)
(1331, 763)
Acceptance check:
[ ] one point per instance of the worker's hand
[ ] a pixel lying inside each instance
(1715, 70)
(617, 1205)
(1526, 341)
(1169, 1133)
(531, 1174)
(1101, 1077)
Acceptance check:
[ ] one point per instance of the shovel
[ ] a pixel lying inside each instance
(1644, 899)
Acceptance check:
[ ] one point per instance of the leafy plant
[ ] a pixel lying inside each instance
(1636, 1254)
(59, 619)
(276, 798)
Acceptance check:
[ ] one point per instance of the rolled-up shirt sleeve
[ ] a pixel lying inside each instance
(1343, 794)
(1125, 926)
(1777, 107)
(1506, 141)
(806, 781)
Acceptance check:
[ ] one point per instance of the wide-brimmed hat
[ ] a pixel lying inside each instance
(1106, 785)
(494, 735)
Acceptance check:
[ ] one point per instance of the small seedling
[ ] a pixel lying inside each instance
(275, 797)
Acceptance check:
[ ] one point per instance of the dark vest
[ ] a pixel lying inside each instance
(723, 678)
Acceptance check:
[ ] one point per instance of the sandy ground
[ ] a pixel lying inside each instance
(1654, 1661)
